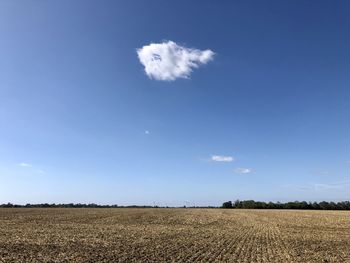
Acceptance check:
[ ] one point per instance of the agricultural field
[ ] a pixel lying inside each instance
(173, 235)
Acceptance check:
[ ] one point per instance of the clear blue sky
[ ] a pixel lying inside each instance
(80, 121)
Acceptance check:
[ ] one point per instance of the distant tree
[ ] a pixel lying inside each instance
(227, 204)
(271, 205)
(237, 204)
(324, 205)
(315, 205)
(248, 204)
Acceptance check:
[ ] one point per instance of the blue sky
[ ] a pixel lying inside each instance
(266, 117)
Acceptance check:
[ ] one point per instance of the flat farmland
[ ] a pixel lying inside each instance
(173, 235)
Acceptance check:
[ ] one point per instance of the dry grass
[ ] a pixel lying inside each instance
(173, 235)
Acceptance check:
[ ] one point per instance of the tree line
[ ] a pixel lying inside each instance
(92, 205)
(238, 204)
(70, 205)
(251, 204)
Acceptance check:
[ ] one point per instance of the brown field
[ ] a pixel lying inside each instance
(173, 235)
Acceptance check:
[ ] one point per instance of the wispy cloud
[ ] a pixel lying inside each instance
(169, 61)
(32, 168)
(321, 173)
(324, 186)
(222, 158)
(243, 170)
(334, 185)
(25, 165)
(147, 132)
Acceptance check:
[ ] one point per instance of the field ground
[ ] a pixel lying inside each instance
(173, 235)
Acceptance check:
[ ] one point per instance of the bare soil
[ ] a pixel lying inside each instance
(173, 235)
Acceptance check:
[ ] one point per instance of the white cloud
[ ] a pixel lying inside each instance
(147, 132)
(169, 61)
(40, 171)
(221, 158)
(25, 164)
(243, 170)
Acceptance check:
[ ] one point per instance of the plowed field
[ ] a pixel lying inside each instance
(173, 235)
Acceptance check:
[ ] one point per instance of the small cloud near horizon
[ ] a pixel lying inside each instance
(243, 170)
(222, 158)
(169, 61)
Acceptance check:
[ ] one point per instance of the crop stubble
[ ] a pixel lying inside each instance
(173, 235)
